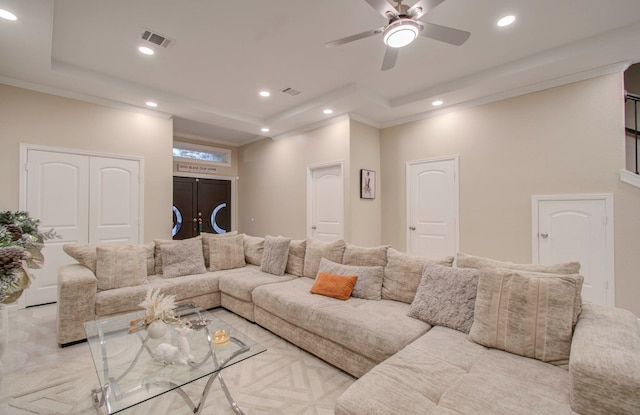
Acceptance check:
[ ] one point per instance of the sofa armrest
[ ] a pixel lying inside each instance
(605, 362)
(77, 288)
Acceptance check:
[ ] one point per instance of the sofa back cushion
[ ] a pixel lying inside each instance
(316, 250)
(369, 283)
(295, 262)
(365, 256)
(85, 254)
(446, 297)
(206, 240)
(529, 314)
(403, 273)
(469, 261)
(253, 249)
(120, 266)
(226, 253)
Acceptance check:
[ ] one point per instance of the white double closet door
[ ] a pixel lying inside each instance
(85, 199)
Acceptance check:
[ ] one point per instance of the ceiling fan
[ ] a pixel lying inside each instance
(404, 27)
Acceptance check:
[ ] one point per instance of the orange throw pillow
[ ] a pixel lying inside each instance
(335, 286)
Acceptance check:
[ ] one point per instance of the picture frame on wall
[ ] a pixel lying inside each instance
(367, 184)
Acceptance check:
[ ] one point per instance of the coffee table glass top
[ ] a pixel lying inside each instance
(133, 368)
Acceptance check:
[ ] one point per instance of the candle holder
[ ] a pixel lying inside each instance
(220, 338)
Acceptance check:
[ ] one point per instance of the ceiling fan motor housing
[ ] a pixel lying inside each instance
(401, 31)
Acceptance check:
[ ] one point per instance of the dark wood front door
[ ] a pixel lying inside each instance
(200, 205)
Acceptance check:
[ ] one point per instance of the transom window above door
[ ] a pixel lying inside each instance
(195, 152)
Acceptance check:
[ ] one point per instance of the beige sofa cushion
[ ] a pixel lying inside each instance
(158, 253)
(253, 249)
(446, 297)
(207, 238)
(316, 250)
(85, 254)
(364, 256)
(369, 283)
(403, 273)
(226, 253)
(182, 258)
(240, 283)
(120, 266)
(295, 263)
(469, 261)
(529, 314)
(276, 255)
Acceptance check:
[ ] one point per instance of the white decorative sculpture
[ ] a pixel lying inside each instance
(171, 354)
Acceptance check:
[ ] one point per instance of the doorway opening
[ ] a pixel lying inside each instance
(200, 205)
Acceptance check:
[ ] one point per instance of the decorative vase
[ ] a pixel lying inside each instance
(156, 329)
(4, 328)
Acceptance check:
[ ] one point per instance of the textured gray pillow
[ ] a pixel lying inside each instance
(369, 283)
(182, 258)
(120, 266)
(253, 249)
(295, 263)
(529, 314)
(365, 256)
(446, 297)
(316, 250)
(403, 273)
(226, 253)
(469, 261)
(158, 253)
(276, 255)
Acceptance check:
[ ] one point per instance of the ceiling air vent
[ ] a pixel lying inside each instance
(291, 91)
(156, 38)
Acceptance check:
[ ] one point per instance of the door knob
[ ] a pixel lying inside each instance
(314, 227)
(413, 228)
(544, 235)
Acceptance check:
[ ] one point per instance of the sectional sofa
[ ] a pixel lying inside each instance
(421, 336)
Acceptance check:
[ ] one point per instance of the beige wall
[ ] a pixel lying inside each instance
(364, 216)
(36, 118)
(565, 140)
(273, 179)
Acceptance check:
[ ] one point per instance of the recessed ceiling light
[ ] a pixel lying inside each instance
(506, 21)
(265, 94)
(437, 103)
(7, 15)
(151, 104)
(264, 130)
(328, 111)
(145, 50)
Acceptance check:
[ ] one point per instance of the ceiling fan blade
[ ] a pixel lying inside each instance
(390, 56)
(383, 7)
(354, 37)
(445, 34)
(422, 7)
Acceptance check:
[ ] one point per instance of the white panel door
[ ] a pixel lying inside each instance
(114, 200)
(326, 195)
(57, 195)
(432, 194)
(577, 230)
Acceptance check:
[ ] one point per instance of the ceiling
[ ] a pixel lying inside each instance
(224, 53)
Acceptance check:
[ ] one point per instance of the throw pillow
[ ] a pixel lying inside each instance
(226, 253)
(182, 258)
(85, 254)
(526, 314)
(150, 248)
(369, 284)
(446, 297)
(316, 250)
(403, 273)
(295, 263)
(366, 257)
(120, 266)
(206, 240)
(335, 286)
(469, 261)
(276, 255)
(158, 253)
(253, 249)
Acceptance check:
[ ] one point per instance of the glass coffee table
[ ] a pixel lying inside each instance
(133, 368)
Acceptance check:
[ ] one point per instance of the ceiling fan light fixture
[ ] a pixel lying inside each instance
(401, 33)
